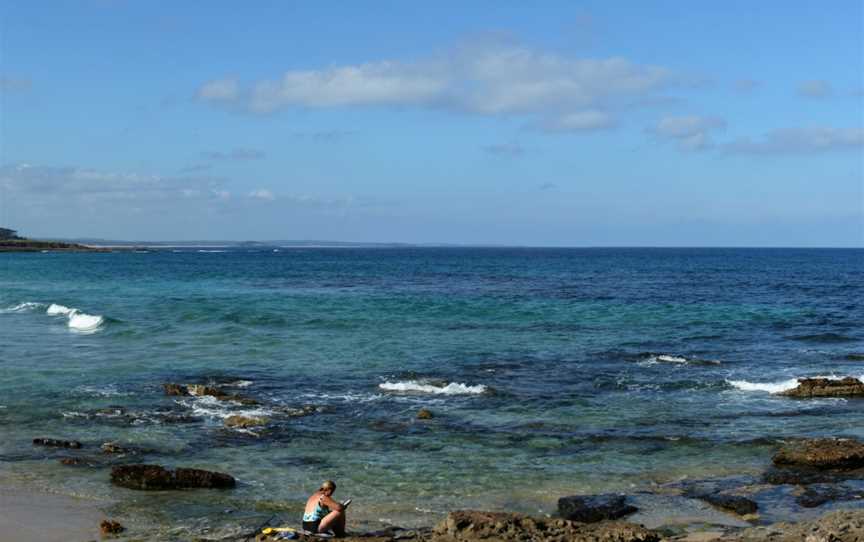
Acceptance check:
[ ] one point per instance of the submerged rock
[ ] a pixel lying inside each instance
(115, 448)
(470, 525)
(110, 528)
(855, 357)
(57, 443)
(245, 421)
(156, 477)
(175, 389)
(819, 494)
(824, 453)
(593, 508)
(200, 390)
(425, 414)
(826, 387)
(731, 503)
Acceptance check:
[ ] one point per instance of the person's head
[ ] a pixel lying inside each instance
(328, 487)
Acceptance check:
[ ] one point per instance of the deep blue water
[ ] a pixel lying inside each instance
(548, 371)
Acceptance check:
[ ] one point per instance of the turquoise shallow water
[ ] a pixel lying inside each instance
(549, 371)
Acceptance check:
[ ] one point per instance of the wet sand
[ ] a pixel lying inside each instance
(29, 515)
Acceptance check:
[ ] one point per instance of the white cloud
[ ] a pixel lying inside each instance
(801, 140)
(502, 79)
(262, 194)
(221, 90)
(580, 121)
(814, 89)
(692, 132)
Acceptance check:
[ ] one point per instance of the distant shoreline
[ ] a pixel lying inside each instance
(27, 245)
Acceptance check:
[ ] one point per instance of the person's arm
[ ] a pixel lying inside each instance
(331, 504)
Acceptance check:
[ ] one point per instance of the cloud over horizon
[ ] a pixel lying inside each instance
(560, 93)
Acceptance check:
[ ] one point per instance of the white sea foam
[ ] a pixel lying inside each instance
(85, 322)
(77, 320)
(654, 359)
(413, 386)
(58, 310)
(208, 406)
(775, 387)
(22, 307)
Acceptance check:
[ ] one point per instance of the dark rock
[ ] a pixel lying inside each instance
(155, 477)
(593, 508)
(110, 528)
(424, 414)
(467, 525)
(57, 443)
(240, 422)
(823, 453)
(731, 503)
(198, 478)
(819, 494)
(199, 390)
(855, 357)
(175, 389)
(799, 476)
(825, 387)
(114, 448)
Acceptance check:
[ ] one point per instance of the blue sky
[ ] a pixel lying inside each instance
(552, 123)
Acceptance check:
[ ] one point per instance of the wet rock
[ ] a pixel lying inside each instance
(424, 414)
(593, 508)
(175, 389)
(819, 494)
(245, 421)
(57, 443)
(840, 526)
(110, 528)
(825, 387)
(465, 525)
(199, 478)
(855, 357)
(305, 410)
(200, 390)
(731, 503)
(155, 477)
(825, 453)
(115, 448)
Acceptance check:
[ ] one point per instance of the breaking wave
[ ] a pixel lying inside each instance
(27, 306)
(652, 358)
(77, 320)
(452, 388)
(775, 387)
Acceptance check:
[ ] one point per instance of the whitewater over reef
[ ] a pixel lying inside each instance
(781, 386)
(451, 388)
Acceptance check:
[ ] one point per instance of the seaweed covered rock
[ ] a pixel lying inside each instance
(465, 525)
(241, 422)
(731, 503)
(823, 453)
(156, 477)
(827, 387)
(56, 443)
(593, 508)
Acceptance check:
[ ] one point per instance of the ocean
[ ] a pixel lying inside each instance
(548, 372)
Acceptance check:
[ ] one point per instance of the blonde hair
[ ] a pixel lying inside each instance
(328, 484)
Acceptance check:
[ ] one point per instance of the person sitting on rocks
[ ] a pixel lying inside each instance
(322, 513)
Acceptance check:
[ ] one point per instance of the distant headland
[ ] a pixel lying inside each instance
(10, 241)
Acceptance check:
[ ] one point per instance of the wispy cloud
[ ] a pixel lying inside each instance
(13, 84)
(238, 155)
(815, 89)
(65, 182)
(262, 194)
(691, 132)
(563, 92)
(745, 85)
(812, 139)
(505, 149)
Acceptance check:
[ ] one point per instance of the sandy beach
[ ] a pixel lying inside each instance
(30, 515)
